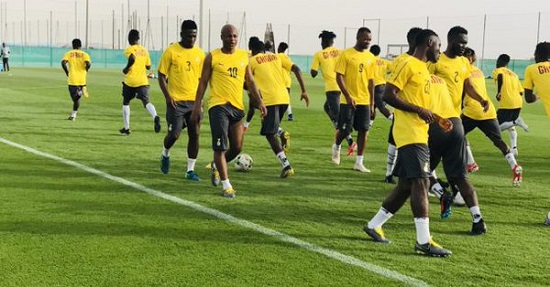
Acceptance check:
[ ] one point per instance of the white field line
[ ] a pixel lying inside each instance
(384, 272)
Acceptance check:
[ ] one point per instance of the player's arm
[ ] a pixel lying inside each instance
(530, 97)
(342, 85)
(500, 80)
(391, 97)
(131, 61)
(201, 89)
(87, 65)
(253, 92)
(303, 96)
(64, 66)
(163, 84)
(471, 91)
(313, 73)
(371, 96)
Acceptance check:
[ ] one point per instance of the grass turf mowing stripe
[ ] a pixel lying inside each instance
(390, 274)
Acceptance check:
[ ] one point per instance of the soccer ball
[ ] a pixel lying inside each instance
(151, 75)
(243, 162)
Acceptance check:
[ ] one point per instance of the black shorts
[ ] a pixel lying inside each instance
(354, 119)
(75, 92)
(413, 161)
(379, 96)
(5, 60)
(333, 101)
(270, 124)
(221, 117)
(129, 93)
(489, 127)
(507, 115)
(179, 117)
(449, 147)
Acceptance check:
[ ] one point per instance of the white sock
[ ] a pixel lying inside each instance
(226, 184)
(476, 214)
(380, 218)
(359, 160)
(437, 189)
(433, 174)
(335, 146)
(422, 229)
(151, 109)
(511, 159)
(390, 117)
(73, 114)
(470, 154)
(191, 164)
(282, 158)
(506, 125)
(392, 155)
(166, 152)
(126, 116)
(246, 124)
(513, 137)
(280, 131)
(289, 110)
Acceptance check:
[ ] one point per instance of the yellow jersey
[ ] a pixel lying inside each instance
(413, 79)
(441, 103)
(227, 79)
(454, 71)
(538, 76)
(382, 68)
(77, 67)
(286, 72)
(183, 68)
(357, 68)
(511, 89)
(326, 59)
(137, 75)
(473, 108)
(268, 74)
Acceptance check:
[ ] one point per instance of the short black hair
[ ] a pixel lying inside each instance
(251, 42)
(77, 44)
(188, 25)
(257, 46)
(543, 50)
(411, 35)
(423, 36)
(327, 35)
(133, 36)
(455, 31)
(504, 59)
(362, 30)
(469, 52)
(375, 50)
(282, 47)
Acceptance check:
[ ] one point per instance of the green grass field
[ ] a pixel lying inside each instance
(61, 225)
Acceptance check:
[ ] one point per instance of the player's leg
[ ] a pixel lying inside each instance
(469, 125)
(193, 131)
(76, 93)
(270, 128)
(332, 106)
(143, 95)
(219, 128)
(174, 118)
(391, 157)
(379, 101)
(249, 114)
(343, 130)
(128, 93)
(361, 120)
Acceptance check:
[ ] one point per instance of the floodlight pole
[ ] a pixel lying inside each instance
(87, 19)
(538, 29)
(201, 24)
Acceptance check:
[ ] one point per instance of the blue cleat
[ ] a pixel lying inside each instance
(164, 164)
(192, 175)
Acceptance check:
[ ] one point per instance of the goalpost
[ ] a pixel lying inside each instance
(394, 50)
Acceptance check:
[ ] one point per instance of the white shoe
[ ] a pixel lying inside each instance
(435, 192)
(336, 154)
(459, 200)
(360, 168)
(520, 122)
(514, 151)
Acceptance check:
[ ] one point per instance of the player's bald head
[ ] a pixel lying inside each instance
(229, 29)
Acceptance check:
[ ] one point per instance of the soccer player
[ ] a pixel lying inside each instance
(326, 60)
(474, 117)
(76, 64)
(450, 147)
(226, 69)
(392, 149)
(281, 51)
(355, 76)
(407, 90)
(538, 75)
(179, 72)
(509, 95)
(382, 68)
(136, 83)
(5, 55)
(268, 74)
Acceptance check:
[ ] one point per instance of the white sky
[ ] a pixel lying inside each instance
(511, 25)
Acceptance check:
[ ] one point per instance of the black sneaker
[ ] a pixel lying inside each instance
(71, 118)
(124, 131)
(389, 179)
(287, 171)
(446, 201)
(157, 124)
(164, 164)
(432, 249)
(479, 228)
(377, 234)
